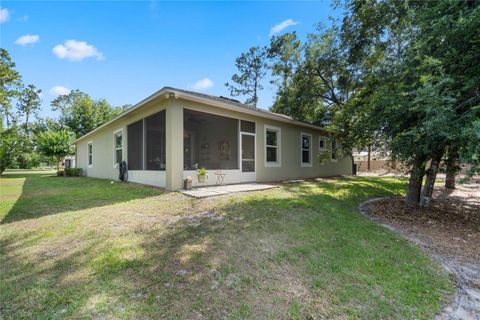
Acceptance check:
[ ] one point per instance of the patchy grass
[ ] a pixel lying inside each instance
(83, 248)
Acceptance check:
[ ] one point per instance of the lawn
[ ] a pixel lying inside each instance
(88, 248)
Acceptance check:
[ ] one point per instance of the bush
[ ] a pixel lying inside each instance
(60, 173)
(74, 172)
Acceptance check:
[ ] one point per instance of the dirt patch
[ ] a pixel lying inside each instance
(449, 231)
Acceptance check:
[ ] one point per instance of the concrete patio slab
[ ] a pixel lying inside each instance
(204, 192)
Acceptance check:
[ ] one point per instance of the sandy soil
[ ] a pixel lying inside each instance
(449, 231)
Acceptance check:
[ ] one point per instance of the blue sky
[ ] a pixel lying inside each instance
(125, 51)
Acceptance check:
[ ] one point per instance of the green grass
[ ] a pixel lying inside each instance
(83, 248)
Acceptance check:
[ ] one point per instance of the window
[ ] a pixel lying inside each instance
(306, 149)
(210, 141)
(90, 153)
(322, 143)
(155, 141)
(147, 143)
(334, 149)
(117, 147)
(135, 145)
(247, 126)
(272, 146)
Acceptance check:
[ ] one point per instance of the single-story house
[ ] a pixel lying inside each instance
(166, 137)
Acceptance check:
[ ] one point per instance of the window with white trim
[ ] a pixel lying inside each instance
(322, 143)
(306, 152)
(118, 147)
(272, 146)
(90, 153)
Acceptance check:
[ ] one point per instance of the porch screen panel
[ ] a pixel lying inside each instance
(210, 141)
(155, 141)
(135, 145)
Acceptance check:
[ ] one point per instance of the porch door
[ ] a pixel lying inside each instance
(248, 152)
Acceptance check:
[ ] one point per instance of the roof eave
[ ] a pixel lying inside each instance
(206, 100)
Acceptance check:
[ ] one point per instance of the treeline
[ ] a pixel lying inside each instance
(400, 76)
(27, 140)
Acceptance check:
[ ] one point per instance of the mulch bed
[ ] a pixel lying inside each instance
(451, 226)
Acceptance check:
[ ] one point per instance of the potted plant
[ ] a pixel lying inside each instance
(202, 175)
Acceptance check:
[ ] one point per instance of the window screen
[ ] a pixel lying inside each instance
(90, 154)
(271, 139)
(321, 143)
(155, 141)
(135, 145)
(247, 126)
(306, 149)
(209, 141)
(118, 147)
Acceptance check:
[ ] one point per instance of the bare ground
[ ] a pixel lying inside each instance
(449, 231)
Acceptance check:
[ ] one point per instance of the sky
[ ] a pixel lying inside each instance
(125, 51)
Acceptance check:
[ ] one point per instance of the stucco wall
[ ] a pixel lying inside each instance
(103, 166)
(290, 148)
(172, 178)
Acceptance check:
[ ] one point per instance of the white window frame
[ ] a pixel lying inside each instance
(89, 143)
(309, 163)
(324, 139)
(240, 151)
(115, 164)
(331, 149)
(277, 163)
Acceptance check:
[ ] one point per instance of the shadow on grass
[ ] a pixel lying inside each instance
(33, 195)
(201, 267)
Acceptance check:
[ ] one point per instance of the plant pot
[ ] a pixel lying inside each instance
(202, 178)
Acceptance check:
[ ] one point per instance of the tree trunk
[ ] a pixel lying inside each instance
(27, 115)
(427, 192)
(415, 182)
(451, 170)
(368, 158)
(58, 164)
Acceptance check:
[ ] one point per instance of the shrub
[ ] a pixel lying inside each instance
(202, 171)
(60, 173)
(74, 172)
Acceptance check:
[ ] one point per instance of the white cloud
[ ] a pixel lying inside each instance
(203, 84)
(74, 50)
(59, 91)
(282, 25)
(4, 15)
(27, 39)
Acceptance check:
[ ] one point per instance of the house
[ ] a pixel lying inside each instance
(166, 137)
(69, 162)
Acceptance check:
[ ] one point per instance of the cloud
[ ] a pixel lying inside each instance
(74, 50)
(203, 84)
(27, 39)
(59, 91)
(282, 25)
(4, 15)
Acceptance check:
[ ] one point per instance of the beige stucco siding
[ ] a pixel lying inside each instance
(103, 166)
(290, 148)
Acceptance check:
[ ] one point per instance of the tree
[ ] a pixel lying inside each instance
(322, 86)
(10, 85)
(419, 70)
(9, 146)
(55, 144)
(29, 103)
(284, 54)
(252, 69)
(81, 114)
